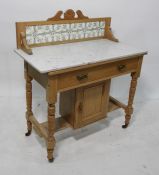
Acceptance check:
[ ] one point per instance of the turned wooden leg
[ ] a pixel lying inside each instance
(51, 128)
(28, 102)
(129, 109)
(51, 99)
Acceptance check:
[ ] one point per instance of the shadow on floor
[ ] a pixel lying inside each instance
(91, 128)
(85, 131)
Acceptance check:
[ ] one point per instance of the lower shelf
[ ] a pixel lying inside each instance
(115, 104)
(61, 123)
(112, 106)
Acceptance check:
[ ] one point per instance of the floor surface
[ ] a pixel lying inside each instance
(103, 148)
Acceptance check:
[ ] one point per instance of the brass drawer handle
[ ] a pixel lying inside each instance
(121, 67)
(82, 77)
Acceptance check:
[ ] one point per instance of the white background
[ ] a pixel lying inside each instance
(101, 148)
(133, 22)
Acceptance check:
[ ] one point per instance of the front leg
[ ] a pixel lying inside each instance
(51, 128)
(51, 99)
(129, 109)
(28, 100)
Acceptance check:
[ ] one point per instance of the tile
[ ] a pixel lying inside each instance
(62, 32)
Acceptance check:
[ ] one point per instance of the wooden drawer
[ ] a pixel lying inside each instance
(85, 76)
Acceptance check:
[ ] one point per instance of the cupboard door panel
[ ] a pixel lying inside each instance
(86, 104)
(93, 103)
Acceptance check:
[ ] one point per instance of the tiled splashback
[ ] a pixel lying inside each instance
(63, 32)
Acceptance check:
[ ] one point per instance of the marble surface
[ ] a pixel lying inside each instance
(58, 57)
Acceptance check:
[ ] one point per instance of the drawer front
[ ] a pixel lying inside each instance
(85, 76)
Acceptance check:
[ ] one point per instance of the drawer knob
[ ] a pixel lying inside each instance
(82, 77)
(121, 67)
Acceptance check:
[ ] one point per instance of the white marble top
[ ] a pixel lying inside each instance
(58, 57)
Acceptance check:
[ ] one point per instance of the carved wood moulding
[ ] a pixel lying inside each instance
(68, 15)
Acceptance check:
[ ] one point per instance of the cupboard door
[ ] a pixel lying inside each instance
(92, 102)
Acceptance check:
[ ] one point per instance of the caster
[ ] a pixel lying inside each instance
(51, 160)
(125, 126)
(28, 133)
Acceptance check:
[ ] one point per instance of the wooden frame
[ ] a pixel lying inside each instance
(68, 79)
(24, 45)
(51, 84)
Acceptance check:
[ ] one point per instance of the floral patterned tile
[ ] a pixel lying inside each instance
(77, 26)
(40, 39)
(48, 38)
(102, 24)
(61, 27)
(63, 32)
(65, 36)
(30, 40)
(101, 32)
